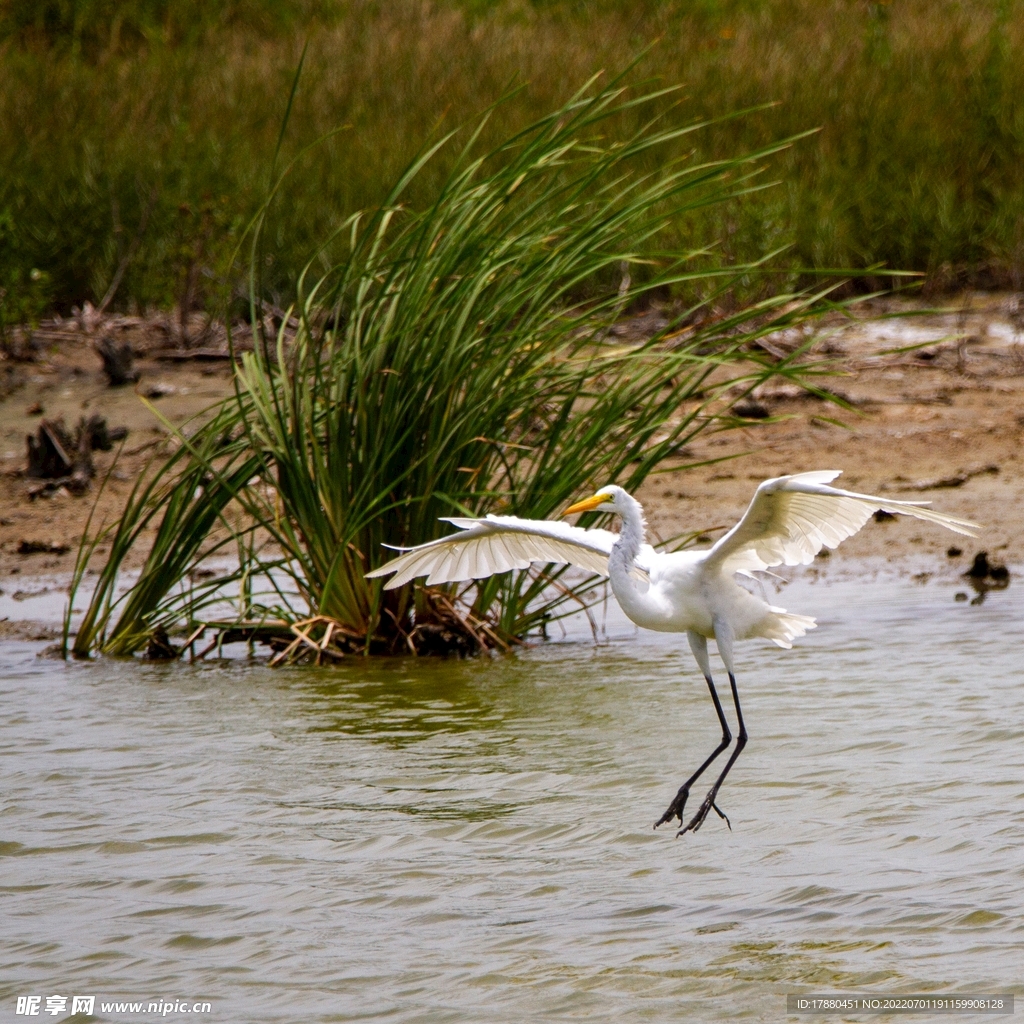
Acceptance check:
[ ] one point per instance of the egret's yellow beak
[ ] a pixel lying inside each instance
(587, 504)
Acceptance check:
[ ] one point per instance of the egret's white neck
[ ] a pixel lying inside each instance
(627, 548)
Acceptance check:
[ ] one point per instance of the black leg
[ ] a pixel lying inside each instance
(709, 801)
(675, 809)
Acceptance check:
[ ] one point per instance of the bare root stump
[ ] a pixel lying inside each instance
(51, 451)
(160, 647)
(984, 576)
(101, 437)
(117, 361)
(63, 461)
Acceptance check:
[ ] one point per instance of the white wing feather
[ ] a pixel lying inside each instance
(496, 544)
(792, 517)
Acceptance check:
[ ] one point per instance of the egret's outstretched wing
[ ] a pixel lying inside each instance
(792, 517)
(496, 544)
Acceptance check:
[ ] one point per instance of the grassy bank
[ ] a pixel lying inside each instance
(137, 138)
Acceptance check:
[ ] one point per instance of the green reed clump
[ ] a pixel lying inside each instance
(446, 365)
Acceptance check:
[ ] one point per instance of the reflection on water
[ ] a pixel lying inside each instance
(471, 841)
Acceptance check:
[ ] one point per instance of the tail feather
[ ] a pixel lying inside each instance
(782, 627)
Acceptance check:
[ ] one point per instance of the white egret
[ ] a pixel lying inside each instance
(694, 592)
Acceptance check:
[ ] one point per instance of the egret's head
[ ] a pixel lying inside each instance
(604, 500)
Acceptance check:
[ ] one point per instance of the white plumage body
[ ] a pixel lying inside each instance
(789, 520)
(684, 597)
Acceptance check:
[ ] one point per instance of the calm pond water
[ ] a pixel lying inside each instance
(471, 841)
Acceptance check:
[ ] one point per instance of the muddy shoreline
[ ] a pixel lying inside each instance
(934, 411)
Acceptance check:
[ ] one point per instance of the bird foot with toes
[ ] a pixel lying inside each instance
(675, 809)
(702, 812)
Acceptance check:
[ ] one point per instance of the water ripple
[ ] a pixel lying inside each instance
(466, 841)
